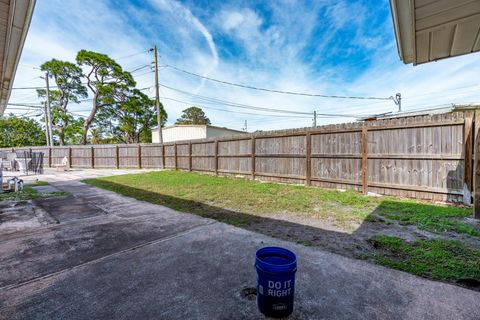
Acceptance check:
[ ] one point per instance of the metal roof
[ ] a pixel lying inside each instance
(425, 111)
(15, 17)
(429, 30)
(199, 125)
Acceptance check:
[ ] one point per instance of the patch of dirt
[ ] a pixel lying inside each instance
(21, 215)
(350, 239)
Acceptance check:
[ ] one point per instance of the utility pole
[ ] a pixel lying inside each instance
(49, 114)
(245, 128)
(314, 118)
(399, 100)
(47, 133)
(157, 97)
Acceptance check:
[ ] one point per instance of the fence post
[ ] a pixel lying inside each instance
(93, 157)
(216, 157)
(190, 156)
(49, 157)
(117, 157)
(476, 166)
(163, 156)
(308, 164)
(253, 157)
(468, 152)
(364, 159)
(139, 156)
(70, 156)
(175, 154)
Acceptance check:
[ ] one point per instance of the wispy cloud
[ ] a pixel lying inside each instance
(174, 7)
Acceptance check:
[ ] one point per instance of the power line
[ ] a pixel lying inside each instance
(21, 82)
(233, 104)
(131, 55)
(277, 91)
(44, 87)
(77, 114)
(32, 105)
(246, 106)
(236, 112)
(138, 68)
(21, 108)
(30, 88)
(143, 74)
(28, 66)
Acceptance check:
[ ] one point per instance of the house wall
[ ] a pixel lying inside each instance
(180, 133)
(220, 132)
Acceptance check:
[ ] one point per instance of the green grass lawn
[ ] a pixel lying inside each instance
(436, 219)
(434, 259)
(209, 196)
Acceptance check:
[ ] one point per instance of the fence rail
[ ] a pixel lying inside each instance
(426, 157)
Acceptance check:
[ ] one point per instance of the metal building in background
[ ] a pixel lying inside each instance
(192, 131)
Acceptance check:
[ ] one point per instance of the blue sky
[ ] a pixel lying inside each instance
(334, 47)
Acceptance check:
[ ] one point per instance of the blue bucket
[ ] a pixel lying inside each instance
(276, 269)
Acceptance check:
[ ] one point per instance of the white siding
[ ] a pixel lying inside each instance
(180, 133)
(213, 132)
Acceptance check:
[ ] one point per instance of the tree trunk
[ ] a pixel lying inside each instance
(89, 119)
(61, 135)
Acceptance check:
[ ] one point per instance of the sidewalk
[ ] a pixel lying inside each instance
(118, 258)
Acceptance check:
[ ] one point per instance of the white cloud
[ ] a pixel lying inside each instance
(269, 52)
(175, 7)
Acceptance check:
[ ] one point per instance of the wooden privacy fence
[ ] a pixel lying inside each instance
(426, 157)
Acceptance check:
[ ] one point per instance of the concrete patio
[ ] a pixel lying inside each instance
(104, 256)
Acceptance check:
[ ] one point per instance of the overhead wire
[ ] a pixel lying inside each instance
(246, 106)
(278, 91)
(132, 55)
(136, 69)
(236, 112)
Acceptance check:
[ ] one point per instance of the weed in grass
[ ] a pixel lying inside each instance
(431, 218)
(26, 194)
(305, 243)
(38, 183)
(435, 259)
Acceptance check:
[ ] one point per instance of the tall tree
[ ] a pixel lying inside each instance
(193, 115)
(131, 119)
(20, 132)
(68, 80)
(107, 81)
